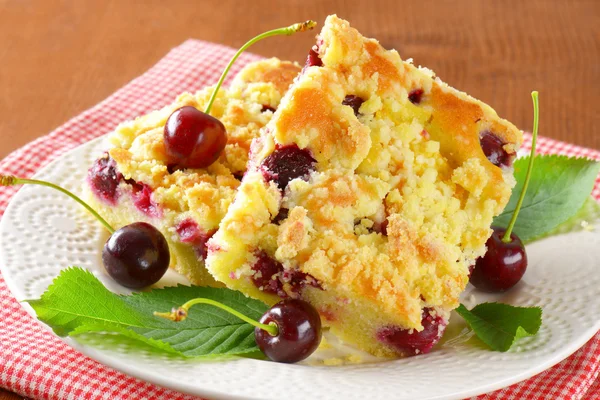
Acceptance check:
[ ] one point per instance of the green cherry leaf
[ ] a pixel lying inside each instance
(501, 325)
(77, 303)
(558, 189)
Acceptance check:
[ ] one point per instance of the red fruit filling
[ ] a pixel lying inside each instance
(189, 232)
(142, 199)
(104, 179)
(353, 101)
(287, 163)
(378, 227)
(313, 59)
(171, 168)
(493, 148)
(327, 314)
(281, 216)
(415, 96)
(411, 342)
(381, 227)
(270, 276)
(267, 108)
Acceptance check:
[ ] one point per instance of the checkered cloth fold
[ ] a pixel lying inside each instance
(36, 364)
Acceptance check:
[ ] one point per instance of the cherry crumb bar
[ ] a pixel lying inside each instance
(369, 194)
(134, 181)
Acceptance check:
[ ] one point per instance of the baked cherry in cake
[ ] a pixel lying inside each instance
(411, 341)
(138, 179)
(287, 163)
(368, 195)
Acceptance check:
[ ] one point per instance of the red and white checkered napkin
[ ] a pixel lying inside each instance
(35, 363)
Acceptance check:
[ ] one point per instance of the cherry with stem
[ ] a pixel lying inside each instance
(135, 256)
(288, 332)
(505, 261)
(195, 139)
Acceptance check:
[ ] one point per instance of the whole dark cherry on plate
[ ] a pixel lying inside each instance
(505, 260)
(288, 332)
(135, 256)
(299, 331)
(502, 266)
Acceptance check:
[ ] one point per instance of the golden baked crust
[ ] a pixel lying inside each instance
(187, 205)
(398, 204)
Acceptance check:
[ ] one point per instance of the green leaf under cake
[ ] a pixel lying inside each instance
(77, 302)
(500, 325)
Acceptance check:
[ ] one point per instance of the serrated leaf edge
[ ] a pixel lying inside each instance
(461, 309)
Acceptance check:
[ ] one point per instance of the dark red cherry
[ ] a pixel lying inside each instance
(281, 216)
(270, 277)
(266, 274)
(142, 198)
(287, 163)
(411, 342)
(353, 101)
(189, 232)
(193, 139)
(104, 179)
(313, 59)
(415, 96)
(383, 227)
(493, 149)
(266, 107)
(136, 256)
(299, 331)
(502, 266)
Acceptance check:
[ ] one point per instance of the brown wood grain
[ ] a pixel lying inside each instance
(4, 395)
(58, 58)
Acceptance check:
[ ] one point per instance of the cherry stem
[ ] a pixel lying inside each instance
(10, 180)
(536, 118)
(181, 313)
(289, 30)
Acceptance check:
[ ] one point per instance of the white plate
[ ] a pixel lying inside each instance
(42, 232)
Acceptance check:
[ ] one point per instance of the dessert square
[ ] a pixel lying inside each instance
(134, 181)
(369, 194)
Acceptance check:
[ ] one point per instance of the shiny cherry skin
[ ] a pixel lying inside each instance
(136, 256)
(299, 335)
(493, 148)
(502, 266)
(193, 139)
(313, 59)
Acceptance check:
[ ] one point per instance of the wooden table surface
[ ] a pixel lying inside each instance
(61, 57)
